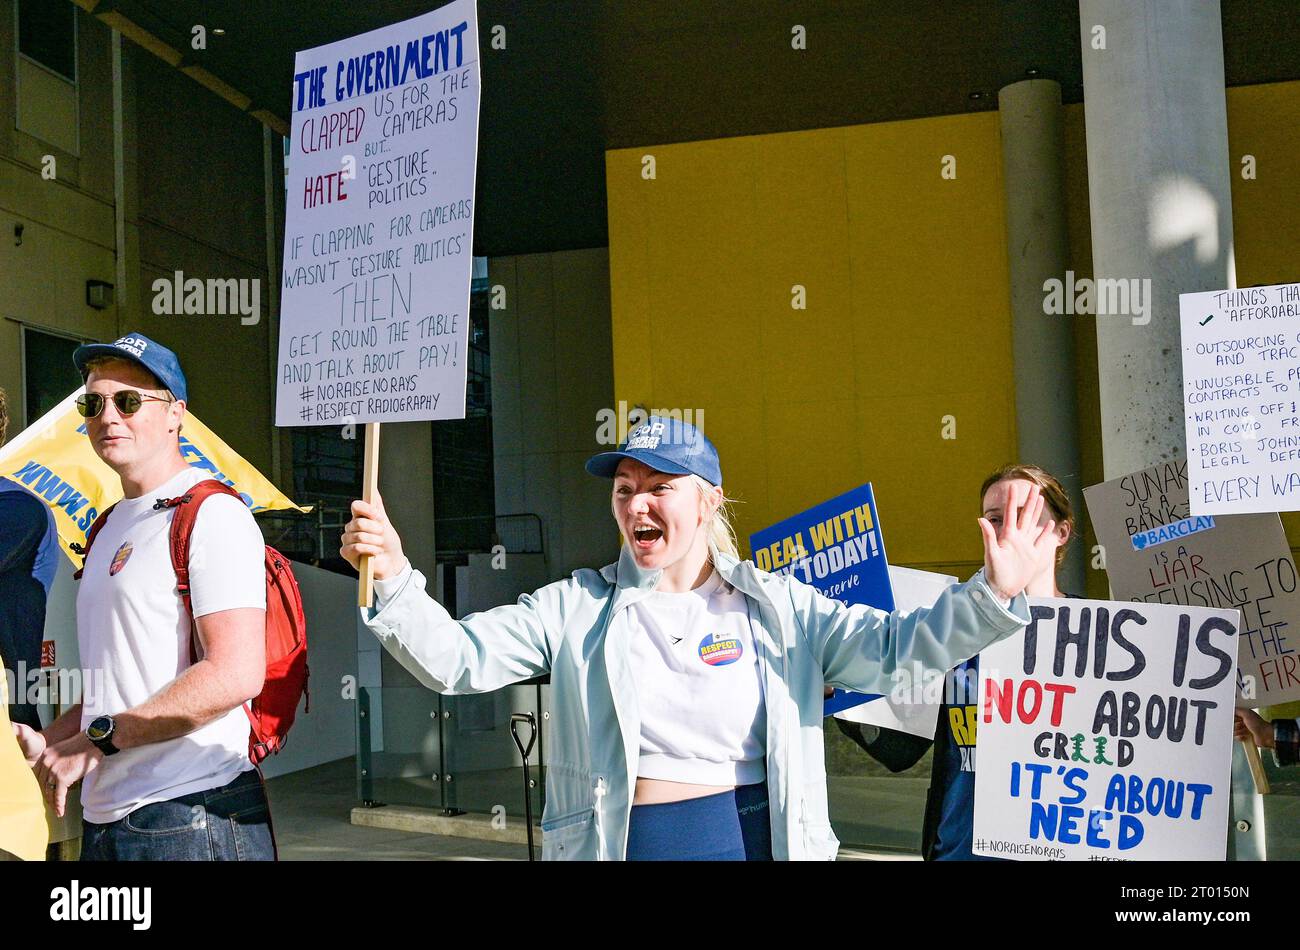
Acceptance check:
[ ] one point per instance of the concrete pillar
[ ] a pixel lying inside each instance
(1047, 419)
(1161, 204)
(406, 484)
(1160, 197)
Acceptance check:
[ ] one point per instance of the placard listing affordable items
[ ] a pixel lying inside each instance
(379, 224)
(1241, 389)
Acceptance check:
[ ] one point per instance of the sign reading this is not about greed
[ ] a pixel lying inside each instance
(379, 224)
(1105, 733)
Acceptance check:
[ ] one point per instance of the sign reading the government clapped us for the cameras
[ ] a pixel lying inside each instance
(378, 236)
(1105, 733)
(1241, 382)
(837, 547)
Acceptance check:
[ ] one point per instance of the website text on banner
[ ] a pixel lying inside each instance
(837, 547)
(379, 224)
(54, 460)
(1241, 389)
(1156, 551)
(1106, 734)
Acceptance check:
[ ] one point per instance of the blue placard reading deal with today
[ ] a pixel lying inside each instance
(837, 547)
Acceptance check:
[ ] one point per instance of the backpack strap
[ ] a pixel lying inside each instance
(183, 519)
(84, 549)
(184, 516)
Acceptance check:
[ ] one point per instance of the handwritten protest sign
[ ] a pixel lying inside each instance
(379, 224)
(912, 706)
(1156, 551)
(1105, 733)
(837, 547)
(1241, 382)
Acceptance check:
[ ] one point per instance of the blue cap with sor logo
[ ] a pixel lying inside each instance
(138, 348)
(666, 445)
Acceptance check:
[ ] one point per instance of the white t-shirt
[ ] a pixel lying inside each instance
(698, 687)
(132, 626)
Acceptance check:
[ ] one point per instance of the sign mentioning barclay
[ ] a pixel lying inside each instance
(1241, 380)
(1105, 733)
(379, 224)
(837, 547)
(1157, 552)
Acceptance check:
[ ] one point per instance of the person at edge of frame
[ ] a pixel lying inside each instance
(1281, 734)
(29, 560)
(686, 685)
(947, 828)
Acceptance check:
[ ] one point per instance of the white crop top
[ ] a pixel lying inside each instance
(703, 719)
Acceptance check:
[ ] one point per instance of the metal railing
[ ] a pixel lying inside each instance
(313, 538)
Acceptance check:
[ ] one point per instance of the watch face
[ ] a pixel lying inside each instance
(100, 728)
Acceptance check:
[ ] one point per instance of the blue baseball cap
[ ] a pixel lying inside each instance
(666, 445)
(138, 348)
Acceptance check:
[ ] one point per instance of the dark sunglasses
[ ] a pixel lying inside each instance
(128, 402)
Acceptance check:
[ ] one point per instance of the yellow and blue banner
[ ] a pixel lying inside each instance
(24, 832)
(837, 547)
(55, 461)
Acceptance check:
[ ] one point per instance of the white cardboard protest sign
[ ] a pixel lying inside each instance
(1241, 394)
(1157, 552)
(1106, 734)
(913, 706)
(374, 323)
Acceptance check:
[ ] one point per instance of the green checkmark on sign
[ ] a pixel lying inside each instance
(1207, 319)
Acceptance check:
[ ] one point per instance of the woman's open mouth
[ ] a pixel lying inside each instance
(646, 538)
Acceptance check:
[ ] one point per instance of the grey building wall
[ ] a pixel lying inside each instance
(552, 372)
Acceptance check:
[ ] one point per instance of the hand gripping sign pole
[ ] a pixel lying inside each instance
(1256, 766)
(369, 482)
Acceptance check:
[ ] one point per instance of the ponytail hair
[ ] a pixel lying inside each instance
(722, 534)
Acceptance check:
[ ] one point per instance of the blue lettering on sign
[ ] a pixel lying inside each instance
(194, 455)
(1171, 532)
(392, 66)
(43, 482)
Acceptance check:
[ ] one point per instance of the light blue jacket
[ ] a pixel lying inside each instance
(576, 630)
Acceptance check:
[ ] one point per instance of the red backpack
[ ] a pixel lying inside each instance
(272, 712)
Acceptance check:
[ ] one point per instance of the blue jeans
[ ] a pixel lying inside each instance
(230, 823)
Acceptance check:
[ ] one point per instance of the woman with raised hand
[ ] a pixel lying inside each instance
(686, 685)
(947, 829)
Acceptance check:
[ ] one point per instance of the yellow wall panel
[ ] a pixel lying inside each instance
(906, 316)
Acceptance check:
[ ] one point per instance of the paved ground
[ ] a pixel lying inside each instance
(312, 809)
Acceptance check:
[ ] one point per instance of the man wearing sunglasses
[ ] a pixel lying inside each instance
(161, 748)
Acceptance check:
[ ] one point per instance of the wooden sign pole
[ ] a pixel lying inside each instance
(1256, 766)
(369, 482)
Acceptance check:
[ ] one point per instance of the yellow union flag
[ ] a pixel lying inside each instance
(23, 829)
(54, 460)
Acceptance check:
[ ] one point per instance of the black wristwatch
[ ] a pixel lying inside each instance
(100, 734)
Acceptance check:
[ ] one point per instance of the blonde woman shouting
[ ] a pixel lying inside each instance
(686, 685)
